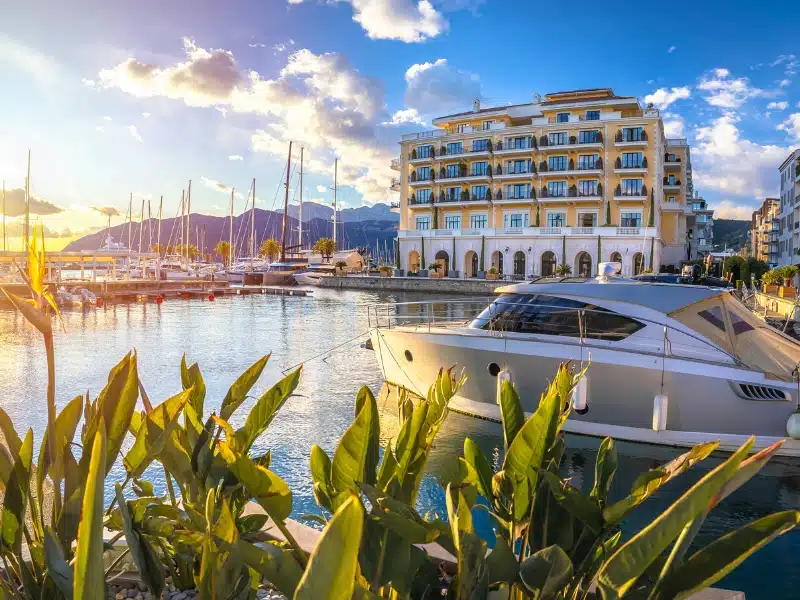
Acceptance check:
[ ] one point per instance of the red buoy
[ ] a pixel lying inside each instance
(211, 297)
(159, 299)
(100, 303)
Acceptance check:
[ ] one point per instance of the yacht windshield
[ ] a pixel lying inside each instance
(551, 315)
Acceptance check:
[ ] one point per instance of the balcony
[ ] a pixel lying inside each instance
(583, 170)
(629, 141)
(462, 177)
(671, 206)
(396, 164)
(395, 185)
(500, 175)
(631, 195)
(415, 181)
(417, 159)
(571, 143)
(672, 164)
(672, 186)
(394, 207)
(625, 168)
(463, 199)
(414, 202)
(604, 232)
(500, 199)
(505, 150)
(423, 135)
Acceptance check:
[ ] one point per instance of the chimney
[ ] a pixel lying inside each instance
(476, 105)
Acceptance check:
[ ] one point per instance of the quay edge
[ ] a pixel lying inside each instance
(412, 284)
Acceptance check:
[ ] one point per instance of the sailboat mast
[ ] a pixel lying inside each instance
(300, 213)
(253, 225)
(335, 172)
(188, 217)
(28, 200)
(141, 224)
(286, 203)
(130, 223)
(149, 228)
(183, 218)
(230, 241)
(160, 208)
(5, 233)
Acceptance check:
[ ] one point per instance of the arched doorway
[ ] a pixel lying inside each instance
(443, 260)
(583, 265)
(519, 264)
(638, 263)
(615, 257)
(497, 261)
(548, 264)
(413, 261)
(471, 264)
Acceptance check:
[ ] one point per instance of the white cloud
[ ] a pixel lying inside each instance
(222, 111)
(257, 45)
(671, 49)
(784, 83)
(283, 46)
(42, 68)
(217, 186)
(726, 92)
(235, 157)
(789, 61)
(723, 161)
(319, 101)
(791, 126)
(783, 105)
(662, 98)
(322, 189)
(135, 133)
(100, 129)
(146, 115)
(408, 116)
(674, 125)
(437, 87)
(107, 118)
(88, 82)
(728, 210)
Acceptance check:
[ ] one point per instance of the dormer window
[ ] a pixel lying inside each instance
(562, 118)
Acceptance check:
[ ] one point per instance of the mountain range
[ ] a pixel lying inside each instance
(731, 232)
(352, 234)
(315, 210)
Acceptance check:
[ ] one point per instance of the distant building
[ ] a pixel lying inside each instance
(789, 238)
(700, 228)
(765, 232)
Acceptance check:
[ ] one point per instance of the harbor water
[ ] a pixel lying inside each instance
(324, 331)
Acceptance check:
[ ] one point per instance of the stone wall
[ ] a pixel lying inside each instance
(412, 284)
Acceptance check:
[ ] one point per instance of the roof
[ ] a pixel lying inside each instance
(663, 297)
(484, 110)
(582, 91)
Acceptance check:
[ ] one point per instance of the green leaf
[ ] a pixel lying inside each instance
(16, 497)
(269, 490)
(356, 450)
(278, 566)
(511, 412)
(333, 565)
(57, 568)
(89, 574)
(265, 409)
(547, 572)
(321, 476)
(399, 517)
(502, 562)
(647, 483)
(11, 438)
(604, 469)
(625, 566)
(579, 506)
(240, 388)
(66, 424)
(35, 317)
(710, 564)
(478, 461)
(147, 561)
(153, 434)
(191, 378)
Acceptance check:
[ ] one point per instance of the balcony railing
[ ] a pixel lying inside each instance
(674, 183)
(396, 164)
(414, 201)
(622, 138)
(618, 164)
(529, 144)
(530, 196)
(630, 192)
(414, 178)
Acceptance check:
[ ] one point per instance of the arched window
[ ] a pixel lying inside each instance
(616, 257)
(474, 264)
(548, 264)
(413, 261)
(443, 260)
(497, 261)
(638, 263)
(584, 265)
(471, 264)
(519, 264)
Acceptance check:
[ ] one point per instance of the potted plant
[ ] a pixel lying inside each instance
(771, 281)
(434, 270)
(385, 271)
(564, 270)
(492, 274)
(340, 267)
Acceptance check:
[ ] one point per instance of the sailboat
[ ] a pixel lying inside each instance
(248, 270)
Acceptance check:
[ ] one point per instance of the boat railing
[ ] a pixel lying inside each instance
(427, 315)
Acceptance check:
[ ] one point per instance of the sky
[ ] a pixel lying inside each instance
(138, 98)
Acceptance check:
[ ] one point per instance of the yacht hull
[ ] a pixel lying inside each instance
(702, 403)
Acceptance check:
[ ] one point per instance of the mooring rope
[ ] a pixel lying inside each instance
(326, 352)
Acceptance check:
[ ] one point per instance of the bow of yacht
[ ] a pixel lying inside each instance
(669, 364)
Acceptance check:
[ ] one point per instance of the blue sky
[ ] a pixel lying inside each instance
(139, 99)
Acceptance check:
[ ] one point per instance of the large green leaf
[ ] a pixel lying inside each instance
(191, 378)
(16, 498)
(622, 570)
(510, 411)
(269, 490)
(483, 470)
(399, 517)
(502, 562)
(321, 476)
(715, 561)
(66, 424)
(363, 397)
(546, 572)
(277, 565)
(333, 565)
(153, 434)
(35, 317)
(604, 469)
(579, 506)
(240, 388)
(265, 409)
(57, 568)
(146, 559)
(89, 574)
(355, 450)
(9, 433)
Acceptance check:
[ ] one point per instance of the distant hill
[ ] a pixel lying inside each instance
(268, 224)
(731, 232)
(315, 210)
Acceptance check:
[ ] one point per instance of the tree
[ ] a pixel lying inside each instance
(223, 250)
(324, 246)
(270, 248)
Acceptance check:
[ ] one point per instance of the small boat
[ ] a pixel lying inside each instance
(314, 274)
(75, 297)
(670, 364)
(177, 270)
(326, 267)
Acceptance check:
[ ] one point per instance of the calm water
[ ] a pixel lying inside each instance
(229, 334)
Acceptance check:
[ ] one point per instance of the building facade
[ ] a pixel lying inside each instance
(700, 228)
(789, 244)
(576, 178)
(765, 232)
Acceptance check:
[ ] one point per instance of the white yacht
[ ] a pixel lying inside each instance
(314, 274)
(173, 269)
(670, 364)
(319, 266)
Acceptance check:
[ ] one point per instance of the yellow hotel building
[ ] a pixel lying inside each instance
(575, 178)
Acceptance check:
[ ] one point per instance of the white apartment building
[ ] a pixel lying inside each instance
(789, 245)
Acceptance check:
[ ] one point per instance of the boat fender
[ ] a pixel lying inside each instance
(211, 297)
(501, 377)
(660, 405)
(580, 396)
(100, 302)
(159, 299)
(793, 425)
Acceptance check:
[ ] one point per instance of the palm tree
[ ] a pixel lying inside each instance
(324, 246)
(270, 248)
(223, 249)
